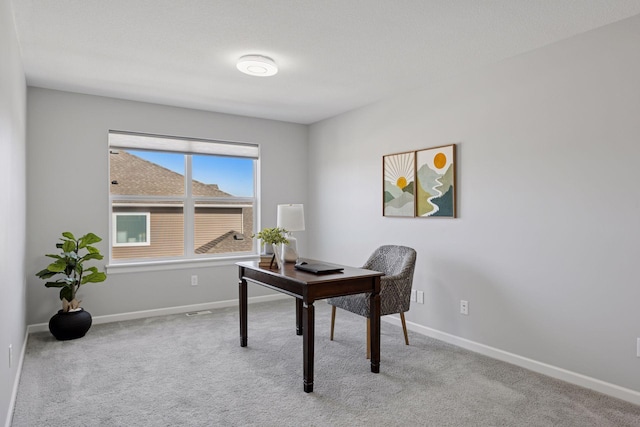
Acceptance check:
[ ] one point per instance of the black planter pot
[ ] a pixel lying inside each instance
(70, 325)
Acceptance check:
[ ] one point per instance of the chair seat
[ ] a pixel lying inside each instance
(394, 299)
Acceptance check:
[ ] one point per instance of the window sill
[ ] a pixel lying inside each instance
(142, 266)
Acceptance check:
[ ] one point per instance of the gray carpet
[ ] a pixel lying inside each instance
(191, 371)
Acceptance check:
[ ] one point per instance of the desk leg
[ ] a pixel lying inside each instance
(299, 316)
(375, 327)
(242, 291)
(308, 320)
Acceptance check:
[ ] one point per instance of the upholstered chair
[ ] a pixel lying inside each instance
(398, 264)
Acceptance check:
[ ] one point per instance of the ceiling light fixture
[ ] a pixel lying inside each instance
(257, 65)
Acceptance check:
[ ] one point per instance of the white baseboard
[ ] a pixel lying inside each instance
(16, 382)
(96, 320)
(613, 390)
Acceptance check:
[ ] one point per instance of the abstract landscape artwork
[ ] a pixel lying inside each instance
(435, 182)
(399, 181)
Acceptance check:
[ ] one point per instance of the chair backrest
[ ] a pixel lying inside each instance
(398, 264)
(392, 260)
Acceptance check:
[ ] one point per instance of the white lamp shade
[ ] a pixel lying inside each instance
(291, 217)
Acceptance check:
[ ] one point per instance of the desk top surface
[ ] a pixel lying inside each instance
(290, 272)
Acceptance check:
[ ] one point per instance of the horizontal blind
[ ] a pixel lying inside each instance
(140, 141)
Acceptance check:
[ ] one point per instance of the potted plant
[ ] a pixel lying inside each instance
(274, 238)
(72, 321)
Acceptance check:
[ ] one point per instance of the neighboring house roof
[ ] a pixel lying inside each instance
(132, 175)
(231, 241)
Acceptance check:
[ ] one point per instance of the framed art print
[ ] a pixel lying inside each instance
(435, 182)
(398, 171)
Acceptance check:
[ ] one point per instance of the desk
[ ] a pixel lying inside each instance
(307, 288)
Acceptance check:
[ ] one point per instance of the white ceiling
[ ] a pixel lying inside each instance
(334, 55)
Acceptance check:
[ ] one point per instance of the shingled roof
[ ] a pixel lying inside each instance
(132, 175)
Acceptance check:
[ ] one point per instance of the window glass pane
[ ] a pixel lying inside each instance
(223, 229)
(218, 176)
(131, 228)
(146, 173)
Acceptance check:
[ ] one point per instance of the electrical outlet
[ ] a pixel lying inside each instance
(11, 355)
(464, 307)
(420, 297)
(414, 297)
(638, 348)
(194, 280)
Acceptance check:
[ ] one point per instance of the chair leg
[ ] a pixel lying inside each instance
(368, 338)
(404, 328)
(333, 319)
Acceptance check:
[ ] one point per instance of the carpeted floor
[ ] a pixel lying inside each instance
(191, 371)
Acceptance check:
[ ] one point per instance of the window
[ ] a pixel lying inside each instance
(131, 228)
(178, 198)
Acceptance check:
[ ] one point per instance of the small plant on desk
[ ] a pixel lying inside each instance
(275, 237)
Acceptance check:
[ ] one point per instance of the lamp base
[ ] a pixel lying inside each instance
(290, 251)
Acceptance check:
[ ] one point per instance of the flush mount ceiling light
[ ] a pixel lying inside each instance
(257, 65)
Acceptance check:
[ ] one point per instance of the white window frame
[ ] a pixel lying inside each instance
(114, 231)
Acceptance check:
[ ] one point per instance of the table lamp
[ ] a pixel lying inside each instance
(291, 218)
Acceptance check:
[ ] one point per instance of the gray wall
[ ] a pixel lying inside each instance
(68, 184)
(545, 248)
(12, 205)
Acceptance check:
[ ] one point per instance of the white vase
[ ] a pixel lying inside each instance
(267, 248)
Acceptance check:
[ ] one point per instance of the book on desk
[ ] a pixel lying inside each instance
(266, 260)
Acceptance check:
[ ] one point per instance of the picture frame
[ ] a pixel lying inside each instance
(435, 194)
(398, 182)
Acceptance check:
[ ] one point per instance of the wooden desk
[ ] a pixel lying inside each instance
(307, 288)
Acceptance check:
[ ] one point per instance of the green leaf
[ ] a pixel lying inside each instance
(94, 255)
(88, 239)
(69, 235)
(66, 293)
(274, 235)
(55, 285)
(69, 246)
(46, 273)
(58, 266)
(94, 276)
